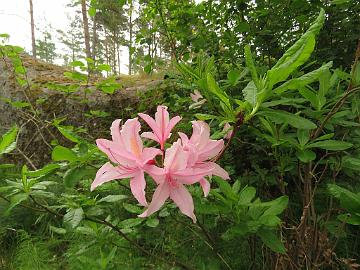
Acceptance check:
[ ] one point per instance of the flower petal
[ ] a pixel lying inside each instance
(107, 173)
(175, 157)
(184, 201)
(130, 135)
(218, 171)
(137, 186)
(115, 131)
(116, 153)
(150, 153)
(152, 124)
(161, 193)
(212, 148)
(158, 174)
(171, 125)
(205, 186)
(150, 135)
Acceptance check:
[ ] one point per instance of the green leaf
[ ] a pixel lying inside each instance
(152, 222)
(301, 82)
(216, 90)
(251, 66)
(63, 153)
(246, 195)
(306, 155)
(104, 67)
(235, 75)
(225, 188)
(351, 163)
(271, 240)
(15, 200)
(277, 206)
(73, 218)
(332, 145)
(250, 93)
(113, 198)
(57, 230)
(43, 171)
(92, 11)
(131, 222)
(286, 117)
(8, 140)
(69, 134)
(74, 175)
(310, 96)
(132, 208)
(281, 72)
(312, 31)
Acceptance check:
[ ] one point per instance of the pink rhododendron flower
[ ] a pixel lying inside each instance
(202, 149)
(161, 125)
(127, 152)
(186, 162)
(196, 96)
(172, 178)
(229, 130)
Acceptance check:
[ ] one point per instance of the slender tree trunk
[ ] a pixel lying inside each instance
(86, 29)
(32, 29)
(130, 36)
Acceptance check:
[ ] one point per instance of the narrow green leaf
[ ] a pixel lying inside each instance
(331, 145)
(8, 140)
(251, 66)
(286, 117)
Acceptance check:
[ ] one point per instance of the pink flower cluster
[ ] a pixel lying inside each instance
(185, 162)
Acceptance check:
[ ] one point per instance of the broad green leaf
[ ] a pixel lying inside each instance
(131, 222)
(331, 145)
(286, 117)
(306, 155)
(272, 241)
(277, 206)
(133, 208)
(246, 195)
(92, 11)
(353, 219)
(69, 134)
(74, 175)
(312, 31)
(63, 153)
(250, 93)
(281, 72)
(113, 198)
(300, 82)
(8, 140)
(225, 188)
(310, 96)
(73, 217)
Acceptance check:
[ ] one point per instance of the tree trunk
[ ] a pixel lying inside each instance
(130, 35)
(118, 57)
(86, 29)
(32, 29)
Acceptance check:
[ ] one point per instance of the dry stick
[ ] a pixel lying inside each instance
(27, 159)
(118, 230)
(23, 205)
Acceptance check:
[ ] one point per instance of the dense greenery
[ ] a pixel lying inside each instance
(279, 80)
